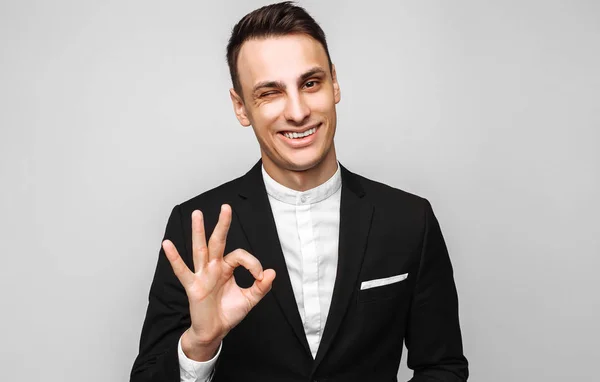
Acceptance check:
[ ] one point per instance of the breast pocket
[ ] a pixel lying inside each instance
(382, 288)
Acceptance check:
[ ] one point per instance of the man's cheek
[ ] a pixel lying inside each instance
(321, 101)
(270, 111)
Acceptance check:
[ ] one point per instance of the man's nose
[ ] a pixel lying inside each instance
(296, 109)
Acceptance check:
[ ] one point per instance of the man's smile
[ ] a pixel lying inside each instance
(300, 138)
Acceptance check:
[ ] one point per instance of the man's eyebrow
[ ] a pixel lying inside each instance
(317, 70)
(268, 84)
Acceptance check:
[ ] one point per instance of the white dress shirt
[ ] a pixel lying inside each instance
(307, 224)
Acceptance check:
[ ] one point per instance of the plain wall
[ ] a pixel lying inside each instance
(112, 112)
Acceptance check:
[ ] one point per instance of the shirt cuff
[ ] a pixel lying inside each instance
(190, 370)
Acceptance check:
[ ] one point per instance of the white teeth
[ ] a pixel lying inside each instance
(301, 135)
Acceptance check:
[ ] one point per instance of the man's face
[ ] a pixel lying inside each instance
(288, 91)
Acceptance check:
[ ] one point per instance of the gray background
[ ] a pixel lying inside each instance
(114, 111)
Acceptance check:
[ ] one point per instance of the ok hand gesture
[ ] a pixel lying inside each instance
(217, 303)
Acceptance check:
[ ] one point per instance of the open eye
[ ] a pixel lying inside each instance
(312, 85)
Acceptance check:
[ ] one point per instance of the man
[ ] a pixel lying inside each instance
(341, 269)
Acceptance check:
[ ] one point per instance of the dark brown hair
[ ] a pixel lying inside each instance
(271, 21)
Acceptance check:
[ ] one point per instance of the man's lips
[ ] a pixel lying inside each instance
(303, 141)
(302, 130)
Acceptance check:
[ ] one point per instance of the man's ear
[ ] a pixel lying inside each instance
(337, 95)
(239, 108)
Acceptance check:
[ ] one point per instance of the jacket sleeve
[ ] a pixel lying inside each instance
(433, 336)
(167, 316)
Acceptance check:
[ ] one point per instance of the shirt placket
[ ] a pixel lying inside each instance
(310, 273)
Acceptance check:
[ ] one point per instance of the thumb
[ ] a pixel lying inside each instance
(260, 288)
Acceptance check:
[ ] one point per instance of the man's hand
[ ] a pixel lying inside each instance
(217, 303)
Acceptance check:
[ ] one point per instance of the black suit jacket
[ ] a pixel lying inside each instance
(383, 232)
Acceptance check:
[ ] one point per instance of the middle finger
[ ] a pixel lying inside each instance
(216, 243)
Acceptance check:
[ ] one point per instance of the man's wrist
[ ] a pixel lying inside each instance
(200, 352)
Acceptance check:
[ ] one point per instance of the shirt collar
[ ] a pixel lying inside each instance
(314, 195)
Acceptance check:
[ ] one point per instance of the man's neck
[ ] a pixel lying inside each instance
(303, 180)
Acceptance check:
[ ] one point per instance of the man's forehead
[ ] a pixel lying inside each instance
(279, 58)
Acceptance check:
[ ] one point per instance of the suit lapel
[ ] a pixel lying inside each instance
(355, 221)
(256, 217)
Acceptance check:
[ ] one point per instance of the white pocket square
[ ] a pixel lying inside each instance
(382, 282)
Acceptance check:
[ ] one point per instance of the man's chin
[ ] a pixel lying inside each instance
(304, 164)
(298, 160)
